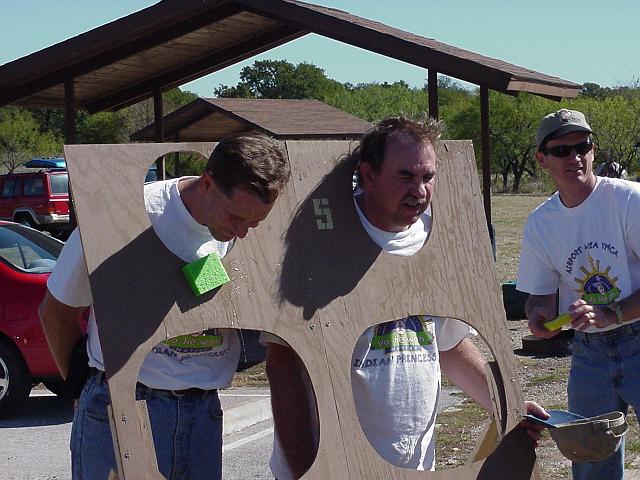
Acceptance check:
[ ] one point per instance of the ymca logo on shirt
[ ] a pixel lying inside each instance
(411, 333)
(598, 286)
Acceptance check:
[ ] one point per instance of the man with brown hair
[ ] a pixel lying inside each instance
(395, 394)
(193, 217)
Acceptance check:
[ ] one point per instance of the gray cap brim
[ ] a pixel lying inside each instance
(565, 131)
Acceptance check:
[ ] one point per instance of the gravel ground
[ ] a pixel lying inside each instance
(544, 379)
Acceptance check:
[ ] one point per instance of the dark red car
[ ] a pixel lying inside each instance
(27, 257)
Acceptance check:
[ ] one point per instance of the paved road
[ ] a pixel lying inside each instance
(34, 444)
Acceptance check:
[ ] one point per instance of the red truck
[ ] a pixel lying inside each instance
(37, 196)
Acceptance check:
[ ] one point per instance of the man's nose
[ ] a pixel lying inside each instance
(420, 189)
(241, 232)
(575, 156)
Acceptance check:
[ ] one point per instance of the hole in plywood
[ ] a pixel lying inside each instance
(410, 417)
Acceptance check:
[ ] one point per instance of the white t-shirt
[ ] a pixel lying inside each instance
(591, 251)
(175, 363)
(395, 371)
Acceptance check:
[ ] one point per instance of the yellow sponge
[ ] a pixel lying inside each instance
(205, 274)
(557, 322)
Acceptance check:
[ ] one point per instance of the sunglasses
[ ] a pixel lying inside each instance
(563, 151)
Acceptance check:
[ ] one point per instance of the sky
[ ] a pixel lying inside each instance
(581, 41)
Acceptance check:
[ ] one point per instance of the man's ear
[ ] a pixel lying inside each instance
(366, 173)
(206, 182)
(540, 159)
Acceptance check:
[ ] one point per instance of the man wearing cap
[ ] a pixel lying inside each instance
(584, 242)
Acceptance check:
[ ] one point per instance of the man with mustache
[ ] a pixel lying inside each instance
(584, 241)
(395, 398)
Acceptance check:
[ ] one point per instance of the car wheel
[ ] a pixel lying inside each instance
(26, 221)
(15, 380)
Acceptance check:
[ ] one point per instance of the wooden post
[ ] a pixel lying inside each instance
(433, 93)
(486, 151)
(70, 135)
(159, 130)
(176, 156)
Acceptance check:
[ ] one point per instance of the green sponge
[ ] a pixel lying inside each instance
(205, 274)
(557, 322)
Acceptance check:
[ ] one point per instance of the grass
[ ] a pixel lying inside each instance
(508, 214)
(560, 375)
(457, 431)
(254, 377)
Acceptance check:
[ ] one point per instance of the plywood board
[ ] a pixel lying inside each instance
(309, 274)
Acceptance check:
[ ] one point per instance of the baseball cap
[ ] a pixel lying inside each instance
(561, 123)
(590, 439)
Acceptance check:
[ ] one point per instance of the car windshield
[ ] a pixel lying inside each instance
(28, 250)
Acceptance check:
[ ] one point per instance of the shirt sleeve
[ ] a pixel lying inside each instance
(535, 274)
(69, 281)
(633, 221)
(450, 332)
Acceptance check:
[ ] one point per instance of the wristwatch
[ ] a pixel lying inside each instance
(615, 308)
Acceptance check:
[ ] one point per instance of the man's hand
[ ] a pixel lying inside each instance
(534, 430)
(584, 315)
(541, 309)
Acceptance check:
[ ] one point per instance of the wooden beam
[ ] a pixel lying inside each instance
(433, 93)
(486, 151)
(196, 69)
(113, 55)
(548, 91)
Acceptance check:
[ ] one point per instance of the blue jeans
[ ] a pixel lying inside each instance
(605, 376)
(187, 433)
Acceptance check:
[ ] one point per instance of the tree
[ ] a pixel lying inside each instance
(374, 101)
(141, 114)
(513, 125)
(281, 79)
(103, 127)
(593, 90)
(21, 139)
(616, 122)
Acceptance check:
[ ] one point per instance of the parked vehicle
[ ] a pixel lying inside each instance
(37, 196)
(27, 257)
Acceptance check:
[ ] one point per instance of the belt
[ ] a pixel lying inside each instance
(186, 392)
